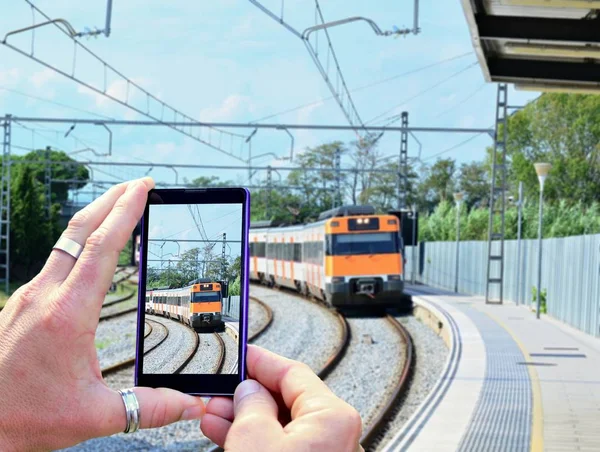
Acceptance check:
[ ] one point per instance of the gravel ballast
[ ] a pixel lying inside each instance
(231, 354)
(301, 330)
(371, 366)
(115, 339)
(172, 353)
(206, 357)
(257, 317)
(159, 332)
(431, 353)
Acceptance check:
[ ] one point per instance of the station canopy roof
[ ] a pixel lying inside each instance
(539, 45)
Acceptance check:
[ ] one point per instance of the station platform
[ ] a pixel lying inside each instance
(511, 382)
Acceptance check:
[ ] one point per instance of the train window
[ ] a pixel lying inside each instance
(297, 252)
(252, 252)
(368, 243)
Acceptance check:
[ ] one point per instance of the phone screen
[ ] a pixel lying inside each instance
(193, 294)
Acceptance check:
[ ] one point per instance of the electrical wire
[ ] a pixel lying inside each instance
(462, 102)
(420, 93)
(462, 143)
(363, 87)
(59, 104)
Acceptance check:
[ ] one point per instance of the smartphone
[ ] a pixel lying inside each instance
(193, 290)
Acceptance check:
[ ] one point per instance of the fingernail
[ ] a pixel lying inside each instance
(193, 412)
(148, 181)
(244, 389)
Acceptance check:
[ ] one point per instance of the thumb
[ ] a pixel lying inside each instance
(255, 420)
(158, 407)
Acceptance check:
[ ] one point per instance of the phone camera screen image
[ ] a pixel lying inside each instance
(193, 292)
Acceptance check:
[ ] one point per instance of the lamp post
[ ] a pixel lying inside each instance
(458, 198)
(542, 170)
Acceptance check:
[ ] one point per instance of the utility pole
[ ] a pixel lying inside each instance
(520, 207)
(48, 183)
(402, 188)
(269, 188)
(338, 182)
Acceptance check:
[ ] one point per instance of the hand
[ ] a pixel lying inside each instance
(289, 408)
(51, 388)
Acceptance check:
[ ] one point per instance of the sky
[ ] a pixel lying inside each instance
(175, 222)
(227, 61)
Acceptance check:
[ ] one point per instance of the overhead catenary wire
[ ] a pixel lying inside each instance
(422, 92)
(462, 102)
(363, 87)
(194, 133)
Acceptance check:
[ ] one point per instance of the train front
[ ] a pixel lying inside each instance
(363, 262)
(205, 306)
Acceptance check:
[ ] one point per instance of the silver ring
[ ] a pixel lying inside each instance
(132, 410)
(68, 246)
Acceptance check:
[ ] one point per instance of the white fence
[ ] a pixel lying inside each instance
(570, 274)
(231, 306)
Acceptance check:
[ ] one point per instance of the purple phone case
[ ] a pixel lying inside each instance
(245, 296)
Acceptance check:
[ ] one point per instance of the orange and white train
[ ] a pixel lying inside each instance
(351, 256)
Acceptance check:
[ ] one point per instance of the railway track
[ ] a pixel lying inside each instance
(376, 425)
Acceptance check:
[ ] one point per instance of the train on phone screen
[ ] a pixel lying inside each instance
(349, 257)
(199, 304)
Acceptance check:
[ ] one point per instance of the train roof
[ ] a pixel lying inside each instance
(347, 211)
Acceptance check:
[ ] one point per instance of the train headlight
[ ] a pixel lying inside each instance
(359, 221)
(337, 279)
(394, 277)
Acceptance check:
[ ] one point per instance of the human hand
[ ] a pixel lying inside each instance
(51, 387)
(288, 408)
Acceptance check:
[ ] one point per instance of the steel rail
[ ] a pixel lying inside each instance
(131, 361)
(374, 428)
(149, 330)
(221, 360)
(265, 325)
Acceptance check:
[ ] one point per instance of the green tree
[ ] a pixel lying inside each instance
(71, 170)
(317, 187)
(439, 184)
(562, 129)
(474, 182)
(31, 231)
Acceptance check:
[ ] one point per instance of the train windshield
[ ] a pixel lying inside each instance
(199, 297)
(368, 243)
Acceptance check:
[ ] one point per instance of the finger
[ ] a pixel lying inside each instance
(284, 376)
(215, 428)
(312, 404)
(83, 223)
(92, 275)
(158, 407)
(255, 420)
(220, 406)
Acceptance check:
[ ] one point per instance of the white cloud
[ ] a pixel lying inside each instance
(233, 105)
(41, 78)
(466, 122)
(120, 90)
(9, 77)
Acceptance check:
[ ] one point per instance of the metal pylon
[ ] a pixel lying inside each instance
(403, 165)
(5, 206)
(495, 264)
(337, 197)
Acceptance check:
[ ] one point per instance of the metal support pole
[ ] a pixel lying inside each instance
(519, 221)
(539, 281)
(223, 262)
(5, 202)
(48, 183)
(457, 246)
(338, 183)
(269, 193)
(414, 247)
(403, 165)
